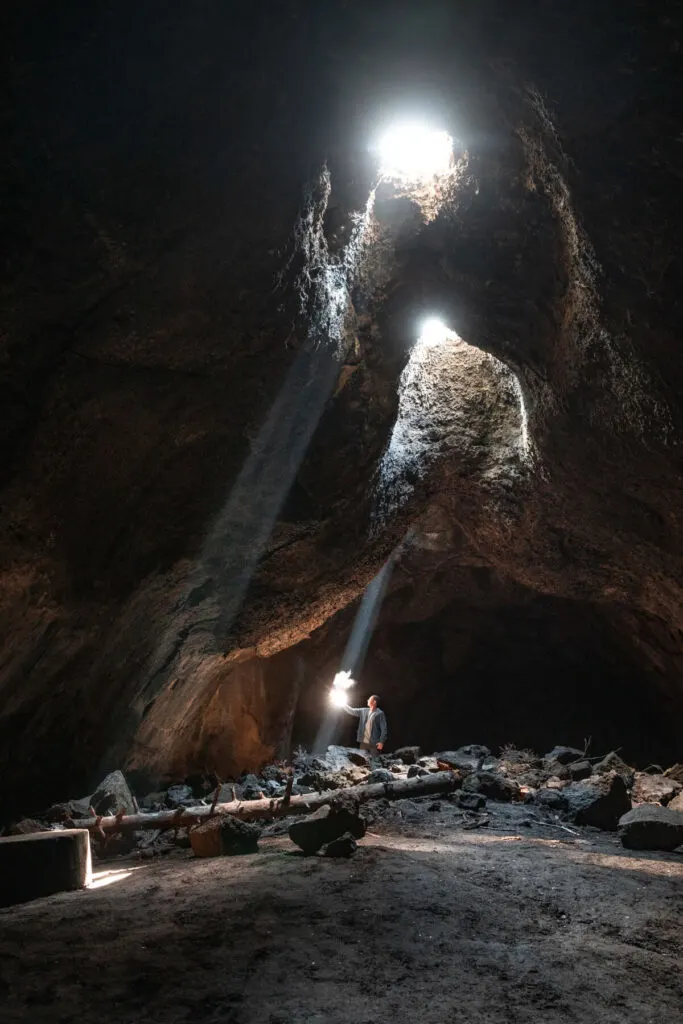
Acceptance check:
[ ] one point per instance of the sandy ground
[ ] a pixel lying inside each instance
(428, 922)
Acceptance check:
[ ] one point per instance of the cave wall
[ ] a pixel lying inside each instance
(162, 182)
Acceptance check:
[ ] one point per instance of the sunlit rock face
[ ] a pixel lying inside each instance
(174, 250)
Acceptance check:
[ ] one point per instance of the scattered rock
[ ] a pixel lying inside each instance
(345, 846)
(599, 801)
(413, 770)
(555, 782)
(565, 755)
(650, 827)
(271, 773)
(396, 769)
(556, 770)
(329, 823)
(179, 796)
(654, 789)
(613, 763)
(580, 770)
(408, 755)
(224, 835)
(380, 775)
(153, 801)
(434, 806)
(493, 785)
(113, 795)
(677, 803)
(25, 827)
(470, 801)
(467, 759)
(675, 772)
(252, 789)
(552, 800)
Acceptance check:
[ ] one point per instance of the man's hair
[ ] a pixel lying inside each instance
(373, 696)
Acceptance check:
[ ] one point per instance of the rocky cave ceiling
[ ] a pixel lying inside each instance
(215, 424)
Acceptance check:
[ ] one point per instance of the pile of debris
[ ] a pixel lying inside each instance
(317, 800)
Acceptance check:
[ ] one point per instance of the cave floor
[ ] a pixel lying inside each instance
(428, 922)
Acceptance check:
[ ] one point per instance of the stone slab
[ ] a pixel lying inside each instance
(43, 863)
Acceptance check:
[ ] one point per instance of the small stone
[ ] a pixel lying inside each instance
(153, 800)
(345, 846)
(179, 796)
(380, 775)
(649, 827)
(654, 789)
(408, 755)
(395, 768)
(565, 755)
(435, 806)
(580, 770)
(113, 795)
(224, 835)
(25, 827)
(252, 788)
(413, 770)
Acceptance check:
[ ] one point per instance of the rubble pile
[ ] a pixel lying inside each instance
(564, 785)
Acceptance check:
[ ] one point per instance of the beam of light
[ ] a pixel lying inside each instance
(354, 654)
(414, 152)
(102, 878)
(238, 538)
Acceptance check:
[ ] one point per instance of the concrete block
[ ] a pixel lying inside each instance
(43, 863)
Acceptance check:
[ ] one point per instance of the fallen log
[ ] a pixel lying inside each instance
(254, 810)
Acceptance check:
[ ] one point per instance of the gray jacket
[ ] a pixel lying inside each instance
(378, 728)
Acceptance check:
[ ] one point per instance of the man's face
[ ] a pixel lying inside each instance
(372, 703)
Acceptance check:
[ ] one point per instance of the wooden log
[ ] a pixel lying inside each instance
(43, 863)
(255, 810)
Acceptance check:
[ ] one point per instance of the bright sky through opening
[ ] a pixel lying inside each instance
(434, 332)
(414, 152)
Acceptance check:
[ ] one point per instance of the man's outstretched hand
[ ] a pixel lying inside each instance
(380, 746)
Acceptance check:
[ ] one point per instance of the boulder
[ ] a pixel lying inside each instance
(329, 823)
(599, 801)
(580, 770)
(180, 796)
(649, 827)
(677, 803)
(113, 795)
(556, 770)
(654, 789)
(380, 775)
(492, 785)
(565, 755)
(345, 846)
(408, 755)
(613, 763)
(552, 800)
(271, 773)
(413, 770)
(43, 863)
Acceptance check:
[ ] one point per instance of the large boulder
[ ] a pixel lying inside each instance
(113, 795)
(599, 801)
(654, 789)
(323, 827)
(649, 827)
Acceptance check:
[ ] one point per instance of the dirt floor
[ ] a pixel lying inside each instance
(429, 922)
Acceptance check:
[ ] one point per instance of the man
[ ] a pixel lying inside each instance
(372, 727)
